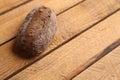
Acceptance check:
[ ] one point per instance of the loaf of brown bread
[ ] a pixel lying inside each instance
(37, 31)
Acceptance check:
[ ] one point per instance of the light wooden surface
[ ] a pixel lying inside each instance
(9, 4)
(65, 31)
(86, 30)
(108, 68)
(13, 19)
(71, 58)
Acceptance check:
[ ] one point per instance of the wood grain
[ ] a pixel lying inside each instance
(13, 19)
(84, 19)
(9, 4)
(71, 58)
(107, 68)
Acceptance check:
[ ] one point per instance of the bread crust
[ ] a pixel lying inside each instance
(37, 31)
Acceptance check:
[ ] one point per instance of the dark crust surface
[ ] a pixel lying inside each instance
(37, 31)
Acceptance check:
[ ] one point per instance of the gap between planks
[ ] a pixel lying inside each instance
(71, 58)
(107, 68)
(94, 59)
(67, 32)
(7, 5)
(13, 22)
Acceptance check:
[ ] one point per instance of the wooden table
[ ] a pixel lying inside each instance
(85, 46)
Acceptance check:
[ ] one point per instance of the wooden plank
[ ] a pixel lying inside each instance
(12, 20)
(71, 58)
(66, 21)
(107, 68)
(9, 4)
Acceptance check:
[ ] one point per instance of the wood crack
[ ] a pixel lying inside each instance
(1, 13)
